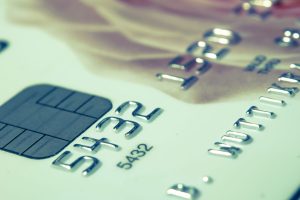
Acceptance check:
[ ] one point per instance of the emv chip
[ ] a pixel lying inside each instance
(43, 119)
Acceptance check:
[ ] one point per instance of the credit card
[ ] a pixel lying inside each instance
(149, 100)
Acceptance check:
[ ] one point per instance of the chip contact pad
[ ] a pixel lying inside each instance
(42, 120)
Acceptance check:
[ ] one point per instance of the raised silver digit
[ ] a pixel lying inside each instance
(258, 60)
(96, 144)
(286, 42)
(60, 162)
(289, 39)
(289, 78)
(204, 67)
(138, 108)
(295, 66)
(186, 83)
(184, 191)
(222, 36)
(264, 3)
(287, 91)
(178, 63)
(237, 137)
(225, 150)
(206, 50)
(242, 123)
(120, 124)
(292, 32)
(272, 101)
(260, 8)
(254, 111)
(269, 66)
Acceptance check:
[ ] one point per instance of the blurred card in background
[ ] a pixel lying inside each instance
(123, 38)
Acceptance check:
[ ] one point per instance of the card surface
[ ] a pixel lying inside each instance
(149, 100)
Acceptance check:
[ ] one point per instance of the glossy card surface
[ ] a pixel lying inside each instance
(149, 99)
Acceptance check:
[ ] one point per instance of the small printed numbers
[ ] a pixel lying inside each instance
(124, 165)
(145, 147)
(140, 151)
(131, 159)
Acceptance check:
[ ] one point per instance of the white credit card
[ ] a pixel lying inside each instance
(70, 131)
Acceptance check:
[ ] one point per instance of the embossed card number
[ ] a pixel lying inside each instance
(92, 145)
